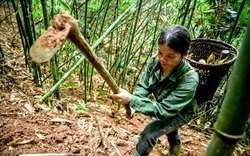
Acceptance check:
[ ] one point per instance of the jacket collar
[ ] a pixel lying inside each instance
(173, 76)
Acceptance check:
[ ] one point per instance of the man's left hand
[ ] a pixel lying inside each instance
(123, 97)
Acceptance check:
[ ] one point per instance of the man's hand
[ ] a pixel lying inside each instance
(123, 97)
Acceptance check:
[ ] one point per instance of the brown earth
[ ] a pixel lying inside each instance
(28, 127)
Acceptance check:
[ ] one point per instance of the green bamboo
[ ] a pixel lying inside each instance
(52, 8)
(29, 32)
(116, 22)
(85, 61)
(97, 20)
(53, 89)
(236, 21)
(109, 58)
(22, 33)
(235, 112)
(151, 50)
(124, 72)
(100, 32)
(36, 67)
(65, 76)
(32, 20)
(192, 14)
(147, 34)
(186, 12)
(85, 78)
(45, 14)
(74, 10)
(26, 23)
(53, 61)
(137, 43)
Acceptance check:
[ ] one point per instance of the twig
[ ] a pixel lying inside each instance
(103, 139)
(113, 144)
(61, 120)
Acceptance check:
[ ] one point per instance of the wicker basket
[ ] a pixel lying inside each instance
(210, 74)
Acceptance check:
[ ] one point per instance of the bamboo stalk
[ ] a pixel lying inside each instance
(192, 14)
(236, 21)
(85, 66)
(131, 43)
(235, 112)
(53, 61)
(22, 33)
(152, 47)
(100, 32)
(186, 12)
(28, 33)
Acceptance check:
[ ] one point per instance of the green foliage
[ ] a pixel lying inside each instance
(215, 19)
(94, 7)
(64, 70)
(246, 137)
(70, 84)
(82, 107)
(101, 93)
(124, 5)
(76, 55)
(63, 5)
(245, 140)
(142, 59)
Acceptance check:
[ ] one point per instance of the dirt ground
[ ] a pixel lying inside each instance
(100, 131)
(28, 127)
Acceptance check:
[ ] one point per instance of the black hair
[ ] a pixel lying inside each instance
(177, 38)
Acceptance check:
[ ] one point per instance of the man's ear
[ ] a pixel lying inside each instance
(185, 55)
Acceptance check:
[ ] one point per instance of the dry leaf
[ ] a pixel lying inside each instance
(12, 97)
(29, 107)
(40, 136)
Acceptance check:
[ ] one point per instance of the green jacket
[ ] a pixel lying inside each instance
(173, 95)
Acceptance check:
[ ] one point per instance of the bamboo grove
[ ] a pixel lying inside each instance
(123, 33)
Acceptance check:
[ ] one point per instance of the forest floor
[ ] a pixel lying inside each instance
(28, 127)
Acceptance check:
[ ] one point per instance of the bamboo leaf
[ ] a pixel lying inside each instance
(93, 7)
(64, 5)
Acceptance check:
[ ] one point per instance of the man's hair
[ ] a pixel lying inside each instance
(177, 38)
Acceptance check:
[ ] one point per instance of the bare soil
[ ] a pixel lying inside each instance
(28, 127)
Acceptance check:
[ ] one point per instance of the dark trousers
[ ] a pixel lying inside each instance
(156, 129)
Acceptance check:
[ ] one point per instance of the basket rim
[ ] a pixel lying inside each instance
(217, 41)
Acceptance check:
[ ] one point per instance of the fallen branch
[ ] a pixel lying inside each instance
(113, 144)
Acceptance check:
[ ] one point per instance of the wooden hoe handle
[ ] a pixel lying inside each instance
(77, 38)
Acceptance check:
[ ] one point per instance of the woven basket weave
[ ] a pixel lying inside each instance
(210, 75)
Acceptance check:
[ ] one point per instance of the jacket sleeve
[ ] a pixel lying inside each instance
(142, 88)
(182, 96)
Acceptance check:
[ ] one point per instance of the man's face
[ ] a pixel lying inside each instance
(168, 58)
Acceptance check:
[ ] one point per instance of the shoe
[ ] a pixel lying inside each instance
(175, 150)
(135, 153)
